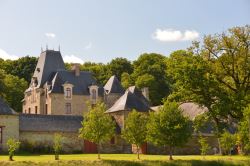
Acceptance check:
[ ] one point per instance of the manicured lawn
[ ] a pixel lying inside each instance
(123, 160)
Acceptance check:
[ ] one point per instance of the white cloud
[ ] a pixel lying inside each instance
(170, 35)
(88, 46)
(4, 55)
(50, 35)
(72, 59)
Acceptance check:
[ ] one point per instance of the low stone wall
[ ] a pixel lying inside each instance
(191, 148)
(10, 126)
(44, 141)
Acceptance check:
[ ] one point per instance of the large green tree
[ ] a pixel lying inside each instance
(97, 126)
(169, 127)
(228, 54)
(151, 69)
(135, 130)
(14, 91)
(118, 66)
(22, 67)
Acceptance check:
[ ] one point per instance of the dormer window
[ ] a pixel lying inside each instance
(93, 90)
(68, 88)
(68, 93)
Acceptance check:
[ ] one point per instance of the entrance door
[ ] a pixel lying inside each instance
(89, 147)
(144, 148)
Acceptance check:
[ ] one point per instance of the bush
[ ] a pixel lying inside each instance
(13, 145)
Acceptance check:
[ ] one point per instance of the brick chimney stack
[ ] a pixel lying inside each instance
(76, 69)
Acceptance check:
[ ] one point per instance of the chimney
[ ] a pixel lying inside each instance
(145, 92)
(76, 69)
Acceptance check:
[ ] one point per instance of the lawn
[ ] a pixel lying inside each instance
(123, 160)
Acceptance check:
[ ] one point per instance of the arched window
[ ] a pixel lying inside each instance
(94, 94)
(68, 93)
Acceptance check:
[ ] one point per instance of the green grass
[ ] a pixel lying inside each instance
(123, 160)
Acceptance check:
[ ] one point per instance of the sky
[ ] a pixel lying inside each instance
(100, 30)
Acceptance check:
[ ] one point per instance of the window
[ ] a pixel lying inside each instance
(1, 134)
(93, 96)
(68, 108)
(35, 109)
(29, 111)
(68, 93)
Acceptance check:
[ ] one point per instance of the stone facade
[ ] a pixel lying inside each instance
(10, 129)
(71, 143)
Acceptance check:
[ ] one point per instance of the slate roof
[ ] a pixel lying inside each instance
(51, 70)
(138, 93)
(127, 102)
(113, 86)
(5, 109)
(192, 110)
(189, 109)
(49, 61)
(49, 123)
(80, 83)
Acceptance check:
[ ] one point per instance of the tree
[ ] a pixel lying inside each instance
(57, 145)
(169, 127)
(126, 80)
(22, 67)
(243, 134)
(135, 130)
(228, 141)
(204, 145)
(13, 145)
(153, 66)
(97, 126)
(14, 91)
(118, 66)
(2, 86)
(228, 54)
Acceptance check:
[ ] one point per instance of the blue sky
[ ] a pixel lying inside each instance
(100, 30)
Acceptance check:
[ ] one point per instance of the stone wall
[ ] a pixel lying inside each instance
(192, 147)
(70, 141)
(10, 124)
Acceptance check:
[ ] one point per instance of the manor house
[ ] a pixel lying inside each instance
(57, 100)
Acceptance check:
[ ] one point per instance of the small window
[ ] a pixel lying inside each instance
(29, 111)
(35, 109)
(68, 93)
(1, 135)
(68, 108)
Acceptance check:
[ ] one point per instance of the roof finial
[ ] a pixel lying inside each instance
(46, 47)
(59, 48)
(41, 48)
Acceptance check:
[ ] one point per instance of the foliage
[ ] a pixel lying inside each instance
(13, 145)
(243, 135)
(169, 127)
(99, 70)
(204, 145)
(14, 91)
(152, 66)
(22, 67)
(228, 141)
(97, 126)
(135, 130)
(57, 145)
(118, 66)
(126, 80)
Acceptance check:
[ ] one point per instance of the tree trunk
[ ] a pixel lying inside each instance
(11, 157)
(170, 153)
(219, 146)
(138, 155)
(98, 150)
